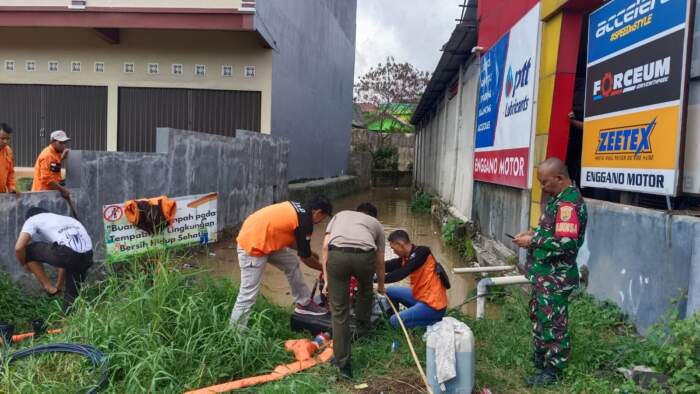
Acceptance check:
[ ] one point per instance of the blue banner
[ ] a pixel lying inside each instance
(621, 23)
(490, 87)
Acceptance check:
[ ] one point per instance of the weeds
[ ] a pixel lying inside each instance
(162, 332)
(422, 203)
(19, 308)
(167, 331)
(455, 239)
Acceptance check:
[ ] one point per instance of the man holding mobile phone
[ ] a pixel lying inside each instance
(551, 268)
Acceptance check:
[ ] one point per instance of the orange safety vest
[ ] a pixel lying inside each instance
(426, 284)
(269, 229)
(168, 206)
(7, 170)
(47, 169)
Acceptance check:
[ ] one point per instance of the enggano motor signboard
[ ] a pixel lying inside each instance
(506, 105)
(635, 81)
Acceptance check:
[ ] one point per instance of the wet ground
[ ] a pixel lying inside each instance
(394, 213)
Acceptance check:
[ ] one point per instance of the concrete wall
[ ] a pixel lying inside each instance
(312, 79)
(445, 146)
(404, 143)
(249, 172)
(165, 47)
(499, 210)
(642, 259)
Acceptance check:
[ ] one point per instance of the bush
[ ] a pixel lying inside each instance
(422, 203)
(386, 159)
(456, 239)
(677, 352)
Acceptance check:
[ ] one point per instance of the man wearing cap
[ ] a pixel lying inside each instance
(47, 169)
(7, 161)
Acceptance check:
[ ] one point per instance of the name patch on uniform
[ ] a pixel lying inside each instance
(55, 167)
(567, 222)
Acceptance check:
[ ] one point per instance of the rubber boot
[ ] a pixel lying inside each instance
(538, 361)
(345, 371)
(547, 376)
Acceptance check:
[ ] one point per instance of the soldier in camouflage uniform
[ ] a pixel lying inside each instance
(552, 270)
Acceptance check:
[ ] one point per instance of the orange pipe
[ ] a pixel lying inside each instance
(27, 335)
(278, 373)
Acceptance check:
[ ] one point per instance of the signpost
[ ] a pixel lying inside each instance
(195, 223)
(635, 86)
(506, 105)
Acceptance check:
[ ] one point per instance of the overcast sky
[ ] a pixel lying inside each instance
(410, 30)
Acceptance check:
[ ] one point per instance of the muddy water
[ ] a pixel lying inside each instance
(394, 213)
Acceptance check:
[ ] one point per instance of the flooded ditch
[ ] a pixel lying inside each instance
(394, 212)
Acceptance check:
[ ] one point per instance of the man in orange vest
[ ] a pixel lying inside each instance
(47, 169)
(269, 235)
(7, 161)
(426, 299)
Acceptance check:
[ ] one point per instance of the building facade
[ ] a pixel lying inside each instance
(110, 72)
(640, 253)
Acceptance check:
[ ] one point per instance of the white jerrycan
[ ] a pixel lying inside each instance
(450, 352)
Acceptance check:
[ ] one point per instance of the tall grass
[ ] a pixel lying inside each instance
(19, 308)
(166, 331)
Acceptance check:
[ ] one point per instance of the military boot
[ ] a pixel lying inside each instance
(538, 361)
(547, 376)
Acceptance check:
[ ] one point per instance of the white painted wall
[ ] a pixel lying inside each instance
(445, 146)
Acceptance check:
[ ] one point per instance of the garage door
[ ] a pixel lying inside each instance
(34, 111)
(142, 110)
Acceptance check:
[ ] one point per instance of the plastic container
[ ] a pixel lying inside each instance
(463, 383)
(321, 339)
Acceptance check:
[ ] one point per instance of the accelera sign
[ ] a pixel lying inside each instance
(505, 107)
(634, 92)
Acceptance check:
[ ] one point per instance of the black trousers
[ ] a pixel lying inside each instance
(76, 265)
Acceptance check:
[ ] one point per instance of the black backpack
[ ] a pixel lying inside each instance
(442, 274)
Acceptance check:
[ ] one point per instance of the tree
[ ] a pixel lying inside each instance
(388, 84)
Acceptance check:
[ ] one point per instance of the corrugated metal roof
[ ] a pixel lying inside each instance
(454, 53)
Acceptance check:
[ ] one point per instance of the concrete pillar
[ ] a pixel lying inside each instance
(112, 116)
(694, 280)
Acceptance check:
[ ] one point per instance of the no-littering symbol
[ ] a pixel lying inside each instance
(112, 213)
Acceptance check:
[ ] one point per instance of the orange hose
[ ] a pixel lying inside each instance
(21, 337)
(278, 373)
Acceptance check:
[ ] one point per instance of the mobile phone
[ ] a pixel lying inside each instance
(510, 236)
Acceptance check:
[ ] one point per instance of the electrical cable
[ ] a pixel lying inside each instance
(97, 358)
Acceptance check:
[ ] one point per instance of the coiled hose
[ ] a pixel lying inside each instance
(97, 358)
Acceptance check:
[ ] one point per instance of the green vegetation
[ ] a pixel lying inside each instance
(422, 203)
(167, 331)
(18, 307)
(386, 158)
(24, 184)
(456, 239)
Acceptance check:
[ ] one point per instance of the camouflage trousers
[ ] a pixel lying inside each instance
(550, 327)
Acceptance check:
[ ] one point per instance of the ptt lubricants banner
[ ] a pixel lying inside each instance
(506, 105)
(634, 91)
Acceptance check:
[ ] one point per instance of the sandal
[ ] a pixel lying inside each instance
(53, 294)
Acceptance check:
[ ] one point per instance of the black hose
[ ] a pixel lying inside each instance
(97, 358)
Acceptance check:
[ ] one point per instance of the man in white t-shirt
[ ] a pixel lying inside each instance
(57, 240)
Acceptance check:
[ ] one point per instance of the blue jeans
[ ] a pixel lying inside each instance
(418, 314)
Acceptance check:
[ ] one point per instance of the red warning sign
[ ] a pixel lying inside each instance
(112, 213)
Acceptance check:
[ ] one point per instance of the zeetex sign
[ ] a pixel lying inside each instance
(505, 107)
(634, 92)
